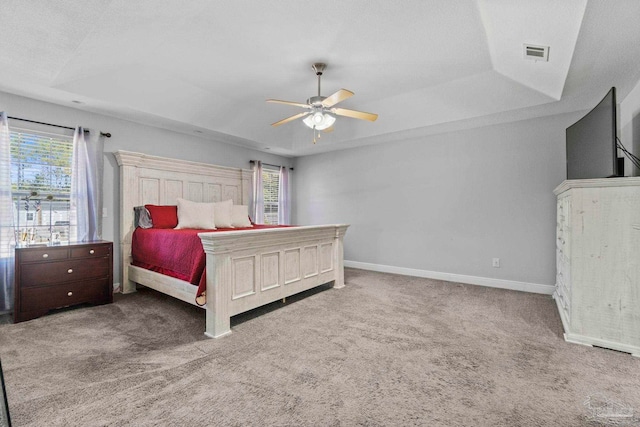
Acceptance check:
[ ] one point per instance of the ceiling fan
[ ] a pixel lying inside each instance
(320, 114)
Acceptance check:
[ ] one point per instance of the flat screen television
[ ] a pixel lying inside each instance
(592, 142)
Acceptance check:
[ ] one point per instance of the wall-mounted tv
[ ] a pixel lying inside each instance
(592, 142)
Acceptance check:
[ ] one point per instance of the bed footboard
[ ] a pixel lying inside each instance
(248, 269)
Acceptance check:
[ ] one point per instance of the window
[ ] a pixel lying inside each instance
(270, 187)
(41, 185)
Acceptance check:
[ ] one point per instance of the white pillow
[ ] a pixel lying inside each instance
(222, 213)
(240, 216)
(195, 215)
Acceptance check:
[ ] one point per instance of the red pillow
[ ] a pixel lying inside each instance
(163, 216)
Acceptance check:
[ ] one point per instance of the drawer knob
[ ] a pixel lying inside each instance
(92, 252)
(70, 270)
(69, 293)
(45, 255)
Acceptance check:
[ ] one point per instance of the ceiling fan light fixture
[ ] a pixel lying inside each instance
(319, 120)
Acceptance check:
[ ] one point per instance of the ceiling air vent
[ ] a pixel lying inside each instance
(536, 53)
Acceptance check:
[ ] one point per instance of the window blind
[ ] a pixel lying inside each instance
(270, 185)
(41, 185)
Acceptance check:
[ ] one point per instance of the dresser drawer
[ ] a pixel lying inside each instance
(64, 271)
(64, 294)
(44, 254)
(91, 251)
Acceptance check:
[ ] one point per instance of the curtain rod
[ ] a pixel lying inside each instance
(267, 164)
(105, 134)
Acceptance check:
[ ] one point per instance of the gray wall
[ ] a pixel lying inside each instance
(446, 203)
(132, 137)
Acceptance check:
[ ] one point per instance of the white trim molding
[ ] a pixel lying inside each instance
(513, 285)
(596, 183)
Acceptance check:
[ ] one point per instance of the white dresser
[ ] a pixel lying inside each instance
(598, 262)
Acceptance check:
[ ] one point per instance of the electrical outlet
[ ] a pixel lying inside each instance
(496, 262)
(104, 212)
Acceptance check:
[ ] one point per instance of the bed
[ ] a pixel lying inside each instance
(244, 269)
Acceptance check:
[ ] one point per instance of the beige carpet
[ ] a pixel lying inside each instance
(386, 350)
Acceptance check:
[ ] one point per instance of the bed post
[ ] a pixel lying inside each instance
(218, 316)
(341, 230)
(128, 163)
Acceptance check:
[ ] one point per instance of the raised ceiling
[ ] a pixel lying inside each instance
(423, 65)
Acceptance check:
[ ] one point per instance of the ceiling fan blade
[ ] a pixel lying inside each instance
(296, 104)
(329, 129)
(339, 96)
(355, 114)
(288, 119)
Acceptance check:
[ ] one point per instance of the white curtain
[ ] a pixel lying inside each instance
(257, 201)
(284, 197)
(7, 235)
(87, 165)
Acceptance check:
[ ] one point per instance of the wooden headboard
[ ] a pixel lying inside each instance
(146, 179)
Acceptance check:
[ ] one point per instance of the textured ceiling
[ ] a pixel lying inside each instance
(422, 65)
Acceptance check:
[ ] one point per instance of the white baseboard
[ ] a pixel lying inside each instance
(459, 278)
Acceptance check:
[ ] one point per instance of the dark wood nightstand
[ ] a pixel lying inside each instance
(49, 277)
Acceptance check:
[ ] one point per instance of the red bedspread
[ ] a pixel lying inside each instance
(175, 253)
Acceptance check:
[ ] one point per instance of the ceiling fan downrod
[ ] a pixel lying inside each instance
(319, 67)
